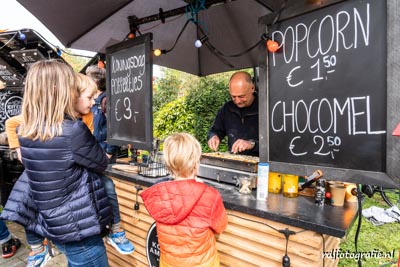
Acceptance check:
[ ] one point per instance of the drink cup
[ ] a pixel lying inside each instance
(338, 193)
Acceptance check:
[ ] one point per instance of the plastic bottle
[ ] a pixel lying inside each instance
(262, 181)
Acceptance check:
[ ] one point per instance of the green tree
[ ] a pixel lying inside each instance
(204, 99)
(77, 62)
(170, 87)
(171, 118)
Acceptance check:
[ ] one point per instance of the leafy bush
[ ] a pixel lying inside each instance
(204, 99)
(173, 117)
(167, 91)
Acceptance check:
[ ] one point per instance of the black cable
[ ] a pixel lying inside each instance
(12, 38)
(216, 51)
(58, 48)
(283, 6)
(75, 55)
(286, 232)
(359, 221)
(239, 54)
(323, 250)
(179, 36)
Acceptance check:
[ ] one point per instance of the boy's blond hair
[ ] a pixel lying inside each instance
(50, 94)
(85, 83)
(182, 154)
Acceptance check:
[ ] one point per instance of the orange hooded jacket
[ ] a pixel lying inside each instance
(187, 214)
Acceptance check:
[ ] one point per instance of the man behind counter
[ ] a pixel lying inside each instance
(238, 118)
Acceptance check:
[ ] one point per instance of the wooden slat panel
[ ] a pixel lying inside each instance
(276, 242)
(229, 261)
(119, 260)
(264, 250)
(310, 238)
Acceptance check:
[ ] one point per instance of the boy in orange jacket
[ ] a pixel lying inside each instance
(188, 213)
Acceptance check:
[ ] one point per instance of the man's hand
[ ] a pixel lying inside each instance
(213, 143)
(241, 145)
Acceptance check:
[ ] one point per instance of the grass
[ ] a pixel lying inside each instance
(384, 238)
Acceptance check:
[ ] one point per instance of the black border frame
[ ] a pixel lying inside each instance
(145, 39)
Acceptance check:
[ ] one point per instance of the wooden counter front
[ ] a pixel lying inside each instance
(247, 241)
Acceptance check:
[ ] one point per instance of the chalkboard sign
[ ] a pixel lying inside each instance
(327, 100)
(129, 93)
(10, 105)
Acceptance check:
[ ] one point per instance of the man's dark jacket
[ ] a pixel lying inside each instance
(237, 123)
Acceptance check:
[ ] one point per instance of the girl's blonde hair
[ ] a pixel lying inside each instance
(85, 83)
(182, 154)
(50, 93)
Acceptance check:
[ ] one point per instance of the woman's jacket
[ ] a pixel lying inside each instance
(60, 195)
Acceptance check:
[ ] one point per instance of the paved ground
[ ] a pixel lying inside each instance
(20, 258)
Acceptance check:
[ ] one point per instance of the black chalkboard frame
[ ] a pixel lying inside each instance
(140, 136)
(384, 177)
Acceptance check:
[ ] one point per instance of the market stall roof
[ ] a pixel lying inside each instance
(230, 26)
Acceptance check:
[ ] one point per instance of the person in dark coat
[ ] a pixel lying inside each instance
(238, 118)
(60, 195)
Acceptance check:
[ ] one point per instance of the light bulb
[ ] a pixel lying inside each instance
(100, 64)
(157, 52)
(198, 44)
(21, 36)
(272, 46)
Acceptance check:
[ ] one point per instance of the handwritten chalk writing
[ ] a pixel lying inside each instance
(125, 64)
(127, 110)
(330, 32)
(287, 116)
(325, 146)
(327, 98)
(130, 72)
(126, 84)
(127, 74)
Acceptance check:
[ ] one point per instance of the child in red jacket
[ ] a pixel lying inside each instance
(188, 213)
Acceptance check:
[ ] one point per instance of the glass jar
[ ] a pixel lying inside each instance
(290, 185)
(274, 183)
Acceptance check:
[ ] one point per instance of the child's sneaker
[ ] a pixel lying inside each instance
(39, 259)
(119, 241)
(10, 247)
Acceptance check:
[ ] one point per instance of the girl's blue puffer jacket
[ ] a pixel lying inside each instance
(60, 195)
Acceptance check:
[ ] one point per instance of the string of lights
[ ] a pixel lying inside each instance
(58, 49)
(192, 11)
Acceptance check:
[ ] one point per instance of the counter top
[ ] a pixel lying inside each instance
(299, 212)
